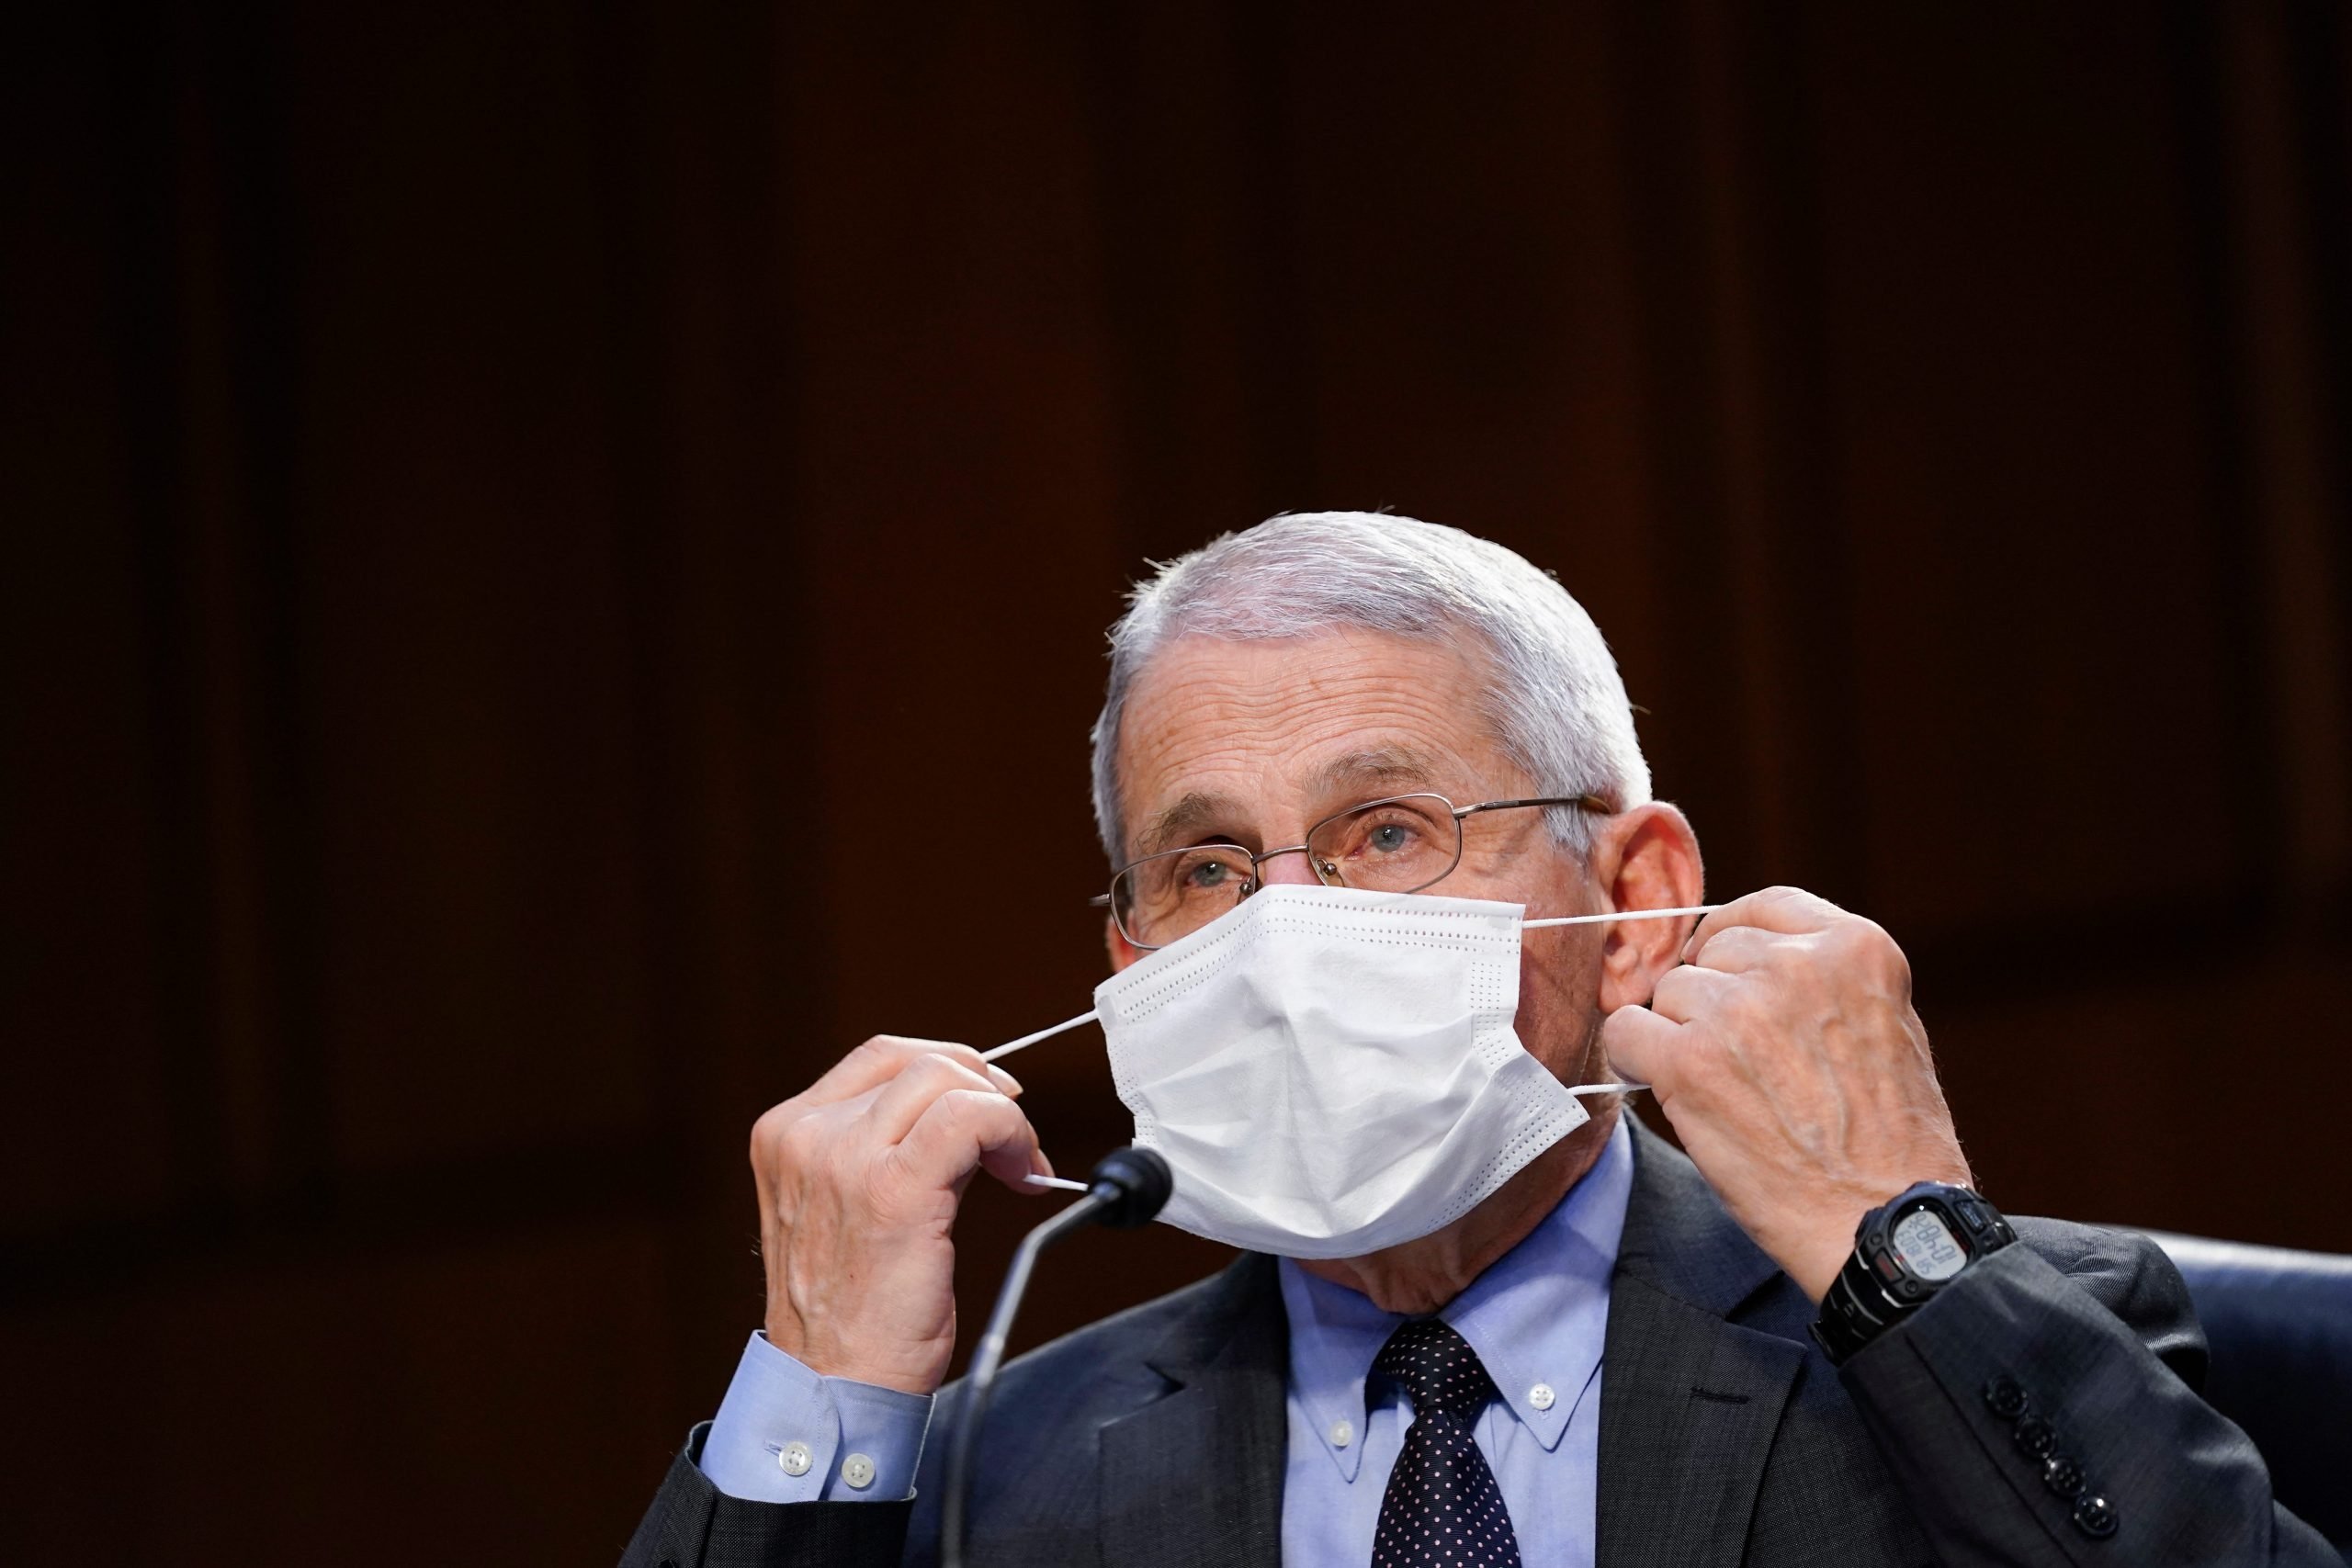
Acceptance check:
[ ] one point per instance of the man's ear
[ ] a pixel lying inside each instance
(1644, 859)
(1123, 952)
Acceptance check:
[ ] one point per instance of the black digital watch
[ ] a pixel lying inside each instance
(1904, 1251)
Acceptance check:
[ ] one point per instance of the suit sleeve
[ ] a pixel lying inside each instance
(2046, 1412)
(692, 1524)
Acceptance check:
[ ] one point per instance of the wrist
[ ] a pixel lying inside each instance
(1815, 1261)
(1815, 1264)
(918, 1376)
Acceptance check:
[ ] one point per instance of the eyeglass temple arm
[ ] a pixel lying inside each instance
(1588, 802)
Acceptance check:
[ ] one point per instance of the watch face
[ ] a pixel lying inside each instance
(1927, 1245)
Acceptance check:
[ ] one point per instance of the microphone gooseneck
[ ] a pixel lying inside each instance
(1128, 1188)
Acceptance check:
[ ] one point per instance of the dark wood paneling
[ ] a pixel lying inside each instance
(558, 564)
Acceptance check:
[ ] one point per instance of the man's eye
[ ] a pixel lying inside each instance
(1389, 837)
(1208, 875)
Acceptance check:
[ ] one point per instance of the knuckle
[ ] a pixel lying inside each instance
(1893, 964)
(1867, 942)
(1726, 944)
(798, 1144)
(926, 1068)
(941, 1072)
(879, 1049)
(975, 1105)
(776, 1130)
(948, 1111)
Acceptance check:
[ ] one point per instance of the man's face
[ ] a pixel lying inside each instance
(1254, 742)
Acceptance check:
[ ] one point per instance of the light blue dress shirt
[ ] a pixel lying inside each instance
(784, 1434)
(1537, 1318)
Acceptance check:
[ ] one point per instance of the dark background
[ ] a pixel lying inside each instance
(556, 560)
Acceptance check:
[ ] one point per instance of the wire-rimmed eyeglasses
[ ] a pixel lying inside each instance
(1401, 843)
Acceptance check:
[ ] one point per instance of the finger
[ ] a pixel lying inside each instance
(884, 1057)
(903, 1101)
(1736, 949)
(1685, 992)
(964, 1128)
(1791, 910)
(1641, 1046)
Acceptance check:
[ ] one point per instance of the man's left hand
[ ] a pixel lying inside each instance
(1786, 1054)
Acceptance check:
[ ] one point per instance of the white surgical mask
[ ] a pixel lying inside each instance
(1329, 1071)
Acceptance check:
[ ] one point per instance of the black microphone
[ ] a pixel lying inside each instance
(1125, 1189)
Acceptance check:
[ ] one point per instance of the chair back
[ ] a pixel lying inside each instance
(2280, 1325)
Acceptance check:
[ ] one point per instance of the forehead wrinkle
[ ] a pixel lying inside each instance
(1230, 720)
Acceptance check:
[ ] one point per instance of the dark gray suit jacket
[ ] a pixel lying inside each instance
(1155, 1438)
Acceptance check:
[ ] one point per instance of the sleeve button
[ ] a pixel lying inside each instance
(2062, 1475)
(2037, 1437)
(794, 1459)
(2005, 1398)
(2095, 1516)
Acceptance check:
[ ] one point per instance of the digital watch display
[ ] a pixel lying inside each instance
(1904, 1251)
(1924, 1244)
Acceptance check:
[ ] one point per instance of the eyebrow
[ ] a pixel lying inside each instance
(1191, 811)
(1381, 765)
(1377, 767)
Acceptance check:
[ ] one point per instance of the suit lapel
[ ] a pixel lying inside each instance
(1196, 1478)
(1690, 1402)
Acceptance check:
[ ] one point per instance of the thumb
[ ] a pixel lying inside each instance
(1641, 1046)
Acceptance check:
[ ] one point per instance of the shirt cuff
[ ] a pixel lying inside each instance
(786, 1434)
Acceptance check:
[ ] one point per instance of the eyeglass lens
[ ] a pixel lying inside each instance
(1389, 846)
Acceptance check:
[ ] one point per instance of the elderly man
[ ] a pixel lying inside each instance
(1343, 758)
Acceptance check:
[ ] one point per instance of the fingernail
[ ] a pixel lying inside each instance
(1004, 1080)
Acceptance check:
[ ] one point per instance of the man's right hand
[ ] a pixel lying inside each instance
(859, 1179)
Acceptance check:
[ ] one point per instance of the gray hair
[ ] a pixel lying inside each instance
(1556, 704)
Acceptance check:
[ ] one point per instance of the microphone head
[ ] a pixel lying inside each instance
(1134, 1184)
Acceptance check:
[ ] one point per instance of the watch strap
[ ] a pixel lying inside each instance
(1847, 1321)
(1858, 1307)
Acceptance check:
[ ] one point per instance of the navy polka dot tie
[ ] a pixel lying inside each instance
(1443, 1508)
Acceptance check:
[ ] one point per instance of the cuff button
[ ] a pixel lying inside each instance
(2005, 1398)
(794, 1459)
(858, 1471)
(2036, 1437)
(2095, 1516)
(2062, 1475)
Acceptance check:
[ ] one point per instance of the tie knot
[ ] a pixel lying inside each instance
(1436, 1366)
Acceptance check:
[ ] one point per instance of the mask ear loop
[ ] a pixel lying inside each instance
(1010, 1046)
(1585, 1088)
(1622, 915)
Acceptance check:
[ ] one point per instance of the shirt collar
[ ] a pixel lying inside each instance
(1537, 1317)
